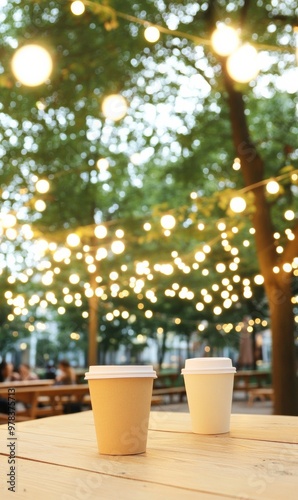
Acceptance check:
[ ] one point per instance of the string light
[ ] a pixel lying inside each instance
(114, 107)
(238, 204)
(152, 34)
(32, 65)
(77, 8)
(224, 40)
(242, 65)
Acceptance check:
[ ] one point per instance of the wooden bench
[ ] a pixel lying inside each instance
(246, 380)
(261, 393)
(41, 401)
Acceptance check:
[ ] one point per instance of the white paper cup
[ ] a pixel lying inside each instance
(121, 401)
(209, 390)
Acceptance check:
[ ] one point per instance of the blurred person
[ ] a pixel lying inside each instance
(7, 373)
(50, 372)
(26, 373)
(66, 374)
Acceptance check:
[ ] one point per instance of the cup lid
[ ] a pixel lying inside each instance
(119, 371)
(208, 365)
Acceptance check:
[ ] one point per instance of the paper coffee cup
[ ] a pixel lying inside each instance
(209, 390)
(121, 401)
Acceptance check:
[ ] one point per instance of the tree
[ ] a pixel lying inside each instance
(184, 111)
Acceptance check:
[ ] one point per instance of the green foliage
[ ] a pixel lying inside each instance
(178, 120)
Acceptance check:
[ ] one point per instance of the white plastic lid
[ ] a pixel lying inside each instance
(122, 371)
(208, 365)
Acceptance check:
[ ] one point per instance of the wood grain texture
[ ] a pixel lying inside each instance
(257, 460)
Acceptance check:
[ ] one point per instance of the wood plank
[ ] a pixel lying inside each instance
(243, 468)
(246, 426)
(262, 427)
(36, 480)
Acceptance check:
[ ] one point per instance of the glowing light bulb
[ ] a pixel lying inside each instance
(8, 220)
(243, 65)
(73, 240)
(102, 164)
(152, 34)
(289, 215)
(272, 187)
(32, 65)
(237, 204)
(168, 221)
(77, 8)
(100, 231)
(117, 247)
(224, 40)
(42, 186)
(40, 205)
(114, 107)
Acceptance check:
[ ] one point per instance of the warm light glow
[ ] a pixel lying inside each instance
(272, 187)
(42, 186)
(117, 247)
(73, 240)
(100, 231)
(289, 215)
(151, 34)
(168, 221)
(119, 233)
(114, 107)
(74, 279)
(238, 204)
(32, 65)
(258, 279)
(8, 220)
(40, 205)
(200, 256)
(77, 8)
(224, 40)
(237, 164)
(220, 268)
(243, 65)
(102, 164)
(287, 267)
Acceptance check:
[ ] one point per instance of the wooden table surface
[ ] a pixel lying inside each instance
(57, 459)
(26, 383)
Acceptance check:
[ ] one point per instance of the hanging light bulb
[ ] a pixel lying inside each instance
(238, 204)
(32, 65)
(272, 187)
(243, 65)
(42, 186)
(73, 240)
(102, 164)
(152, 34)
(224, 40)
(77, 8)
(100, 231)
(114, 107)
(168, 221)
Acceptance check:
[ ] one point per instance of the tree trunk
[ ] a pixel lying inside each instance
(277, 285)
(93, 325)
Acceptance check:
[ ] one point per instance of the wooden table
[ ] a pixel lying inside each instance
(27, 383)
(44, 400)
(245, 380)
(57, 458)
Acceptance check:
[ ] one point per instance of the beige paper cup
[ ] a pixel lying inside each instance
(121, 401)
(209, 390)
